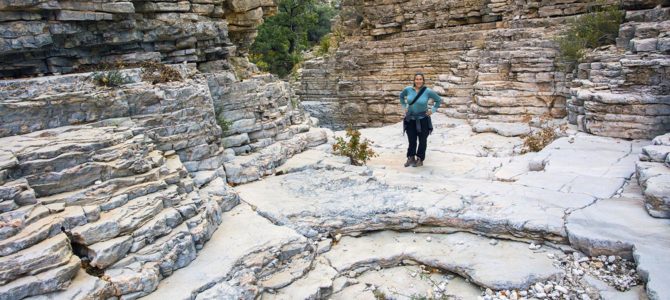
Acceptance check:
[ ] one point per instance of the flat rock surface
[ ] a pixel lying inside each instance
(241, 232)
(460, 184)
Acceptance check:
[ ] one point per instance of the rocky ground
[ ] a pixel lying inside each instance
(477, 221)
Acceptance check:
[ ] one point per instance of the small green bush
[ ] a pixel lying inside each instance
(597, 28)
(111, 78)
(359, 152)
(324, 45)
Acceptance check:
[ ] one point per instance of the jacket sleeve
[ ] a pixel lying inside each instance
(436, 98)
(403, 95)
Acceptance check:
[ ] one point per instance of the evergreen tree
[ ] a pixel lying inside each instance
(298, 25)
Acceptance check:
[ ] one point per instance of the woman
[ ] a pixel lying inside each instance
(414, 99)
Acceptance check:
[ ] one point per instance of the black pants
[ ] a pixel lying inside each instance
(413, 135)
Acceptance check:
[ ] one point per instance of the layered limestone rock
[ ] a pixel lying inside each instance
(123, 186)
(622, 91)
(130, 179)
(39, 37)
(491, 61)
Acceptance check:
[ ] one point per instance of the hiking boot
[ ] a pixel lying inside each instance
(419, 163)
(410, 161)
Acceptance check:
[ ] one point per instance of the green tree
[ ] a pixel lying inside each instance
(298, 25)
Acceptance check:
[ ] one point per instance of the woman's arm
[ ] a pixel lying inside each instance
(436, 98)
(403, 95)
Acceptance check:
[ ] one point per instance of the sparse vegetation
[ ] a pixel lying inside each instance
(358, 151)
(111, 78)
(597, 28)
(223, 123)
(155, 72)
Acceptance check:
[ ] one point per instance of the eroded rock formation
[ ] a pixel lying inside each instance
(130, 180)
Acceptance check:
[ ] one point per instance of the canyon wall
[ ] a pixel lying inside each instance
(493, 62)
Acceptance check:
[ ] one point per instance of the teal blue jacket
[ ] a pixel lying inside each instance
(421, 105)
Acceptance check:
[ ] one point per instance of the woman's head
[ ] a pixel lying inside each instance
(419, 79)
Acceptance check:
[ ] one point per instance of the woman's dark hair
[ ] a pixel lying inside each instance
(422, 77)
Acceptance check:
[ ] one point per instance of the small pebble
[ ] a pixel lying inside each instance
(493, 242)
(428, 239)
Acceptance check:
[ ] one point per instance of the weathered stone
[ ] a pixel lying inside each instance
(41, 283)
(48, 254)
(106, 253)
(82, 286)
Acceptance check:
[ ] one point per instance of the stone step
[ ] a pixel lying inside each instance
(50, 253)
(125, 219)
(112, 193)
(83, 286)
(42, 229)
(51, 143)
(41, 283)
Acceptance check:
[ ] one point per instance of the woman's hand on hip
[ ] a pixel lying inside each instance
(429, 112)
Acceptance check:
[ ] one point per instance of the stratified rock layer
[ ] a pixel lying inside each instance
(63, 36)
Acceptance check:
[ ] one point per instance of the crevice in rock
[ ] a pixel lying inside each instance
(81, 251)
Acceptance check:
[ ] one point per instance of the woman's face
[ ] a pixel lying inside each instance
(418, 81)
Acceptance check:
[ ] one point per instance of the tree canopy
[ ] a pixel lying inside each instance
(297, 26)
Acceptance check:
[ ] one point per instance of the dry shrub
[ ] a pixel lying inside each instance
(155, 72)
(537, 140)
